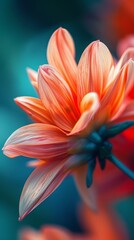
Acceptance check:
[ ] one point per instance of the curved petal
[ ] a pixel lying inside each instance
(130, 84)
(34, 108)
(60, 55)
(127, 113)
(87, 194)
(37, 140)
(89, 106)
(130, 89)
(57, 98)
(128, 54)
(33, 77)
(41, 183)
(115, 93)
(93, 69)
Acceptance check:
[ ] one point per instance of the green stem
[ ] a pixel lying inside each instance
(121, 166)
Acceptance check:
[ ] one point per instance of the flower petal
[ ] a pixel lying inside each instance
(33, 77)
(34, 108)
(93, 69)
(37, 140)
(128, 54)
(57, 98)
(60, 55)
(87, 194)
(115, 94)
(127, 113)
(40, 184)
(89, 106)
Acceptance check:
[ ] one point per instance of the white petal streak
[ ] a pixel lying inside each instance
(41, 183)
(37, 140)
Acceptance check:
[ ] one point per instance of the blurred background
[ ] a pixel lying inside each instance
(25, 28)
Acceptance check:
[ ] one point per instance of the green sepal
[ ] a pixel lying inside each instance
(89, 177)
(102, 162)
(95, 138)
(90, 147)
(102, 130)
(118, 128)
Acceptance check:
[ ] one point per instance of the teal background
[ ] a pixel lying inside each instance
(25, 28)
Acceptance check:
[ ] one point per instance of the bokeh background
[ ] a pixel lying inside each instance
(25, 28)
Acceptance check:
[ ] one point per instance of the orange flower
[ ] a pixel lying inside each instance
(114, 184)
(74, 115)
(102, 225)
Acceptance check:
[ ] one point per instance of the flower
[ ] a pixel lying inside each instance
(115, 184)
(102, 225)
(79, 108)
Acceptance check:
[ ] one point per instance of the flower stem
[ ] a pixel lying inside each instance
(121, 166)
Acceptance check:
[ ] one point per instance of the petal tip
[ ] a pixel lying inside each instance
(60, 29)
(18, 99)
(7, 152)
(4, 149)
(44, 69)
(21, 217)
(29, 70)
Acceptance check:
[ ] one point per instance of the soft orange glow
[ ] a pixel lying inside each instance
(102, 225)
